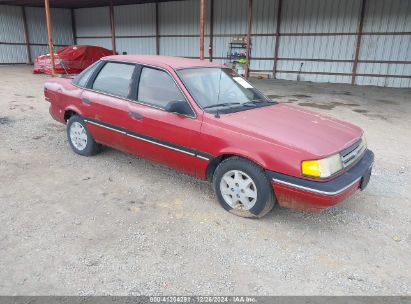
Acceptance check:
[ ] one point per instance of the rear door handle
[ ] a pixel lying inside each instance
(135, 115)
(86, 100)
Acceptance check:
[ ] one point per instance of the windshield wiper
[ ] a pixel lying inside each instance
(256, 102)
(224, 104)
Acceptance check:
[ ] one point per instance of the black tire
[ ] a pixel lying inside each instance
(265, 196)
(91, 147)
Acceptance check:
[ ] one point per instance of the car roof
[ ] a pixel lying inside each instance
(164, 61)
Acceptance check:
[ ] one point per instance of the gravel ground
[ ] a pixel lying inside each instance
(115, 224)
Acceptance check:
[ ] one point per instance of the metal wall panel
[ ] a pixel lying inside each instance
(11, 24)
(264, 16)
(317, 47)
(182, 46)
(261, 65)
(315, 77)
(309, 66)
(103, 42)
(264, 22)
(37, 50)
(13, 53)
(93, 22)
(384, 81)
(386, 47)
(320, 16)
(386, 16)
(12, 31)
(313, 17)
(61, 25)
(299, 18)
(145, 46)
(230, 17)
(221, 46)
(182, 18)
(135, 20)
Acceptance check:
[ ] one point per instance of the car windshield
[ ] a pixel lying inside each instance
(216, 88)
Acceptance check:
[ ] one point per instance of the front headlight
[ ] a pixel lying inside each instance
(323, 167)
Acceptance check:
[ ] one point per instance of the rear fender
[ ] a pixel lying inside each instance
(73, 108)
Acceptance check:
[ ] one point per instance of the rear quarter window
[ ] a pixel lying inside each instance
(83, 78)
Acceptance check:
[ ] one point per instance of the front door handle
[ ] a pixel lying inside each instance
(135, 115)
(86, 100)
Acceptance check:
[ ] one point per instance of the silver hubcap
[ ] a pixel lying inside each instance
(238, 190)
(78, 136)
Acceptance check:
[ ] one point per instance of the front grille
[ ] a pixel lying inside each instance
(352, 153)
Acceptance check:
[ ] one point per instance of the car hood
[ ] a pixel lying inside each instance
(295, 128)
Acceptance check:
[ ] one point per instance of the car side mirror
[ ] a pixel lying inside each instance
(179, 107)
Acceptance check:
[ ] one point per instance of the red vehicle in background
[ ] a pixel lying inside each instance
(72, 59)
(203, 119)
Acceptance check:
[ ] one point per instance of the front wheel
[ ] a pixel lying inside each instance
(242, 188)
(79, 137)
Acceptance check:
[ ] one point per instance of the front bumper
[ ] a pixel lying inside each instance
(308, 195)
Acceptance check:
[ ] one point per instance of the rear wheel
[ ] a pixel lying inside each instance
(79, 137)
(242, 188)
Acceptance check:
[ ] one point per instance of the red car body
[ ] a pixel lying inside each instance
(277, 137)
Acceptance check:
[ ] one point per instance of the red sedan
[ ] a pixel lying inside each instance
(203, 119)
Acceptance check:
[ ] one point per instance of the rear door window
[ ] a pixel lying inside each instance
(157, 88)
(116, 79)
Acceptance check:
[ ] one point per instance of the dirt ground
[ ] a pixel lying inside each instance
(115, 224)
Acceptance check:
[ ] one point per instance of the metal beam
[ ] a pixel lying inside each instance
(211, 46)
(50, 36)
(73, 26)
(277, 37)
(202, 19)
(247, 52)
(113, 29)
(26, 35)
(358, 42)
(157, 30)
(256, 35)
